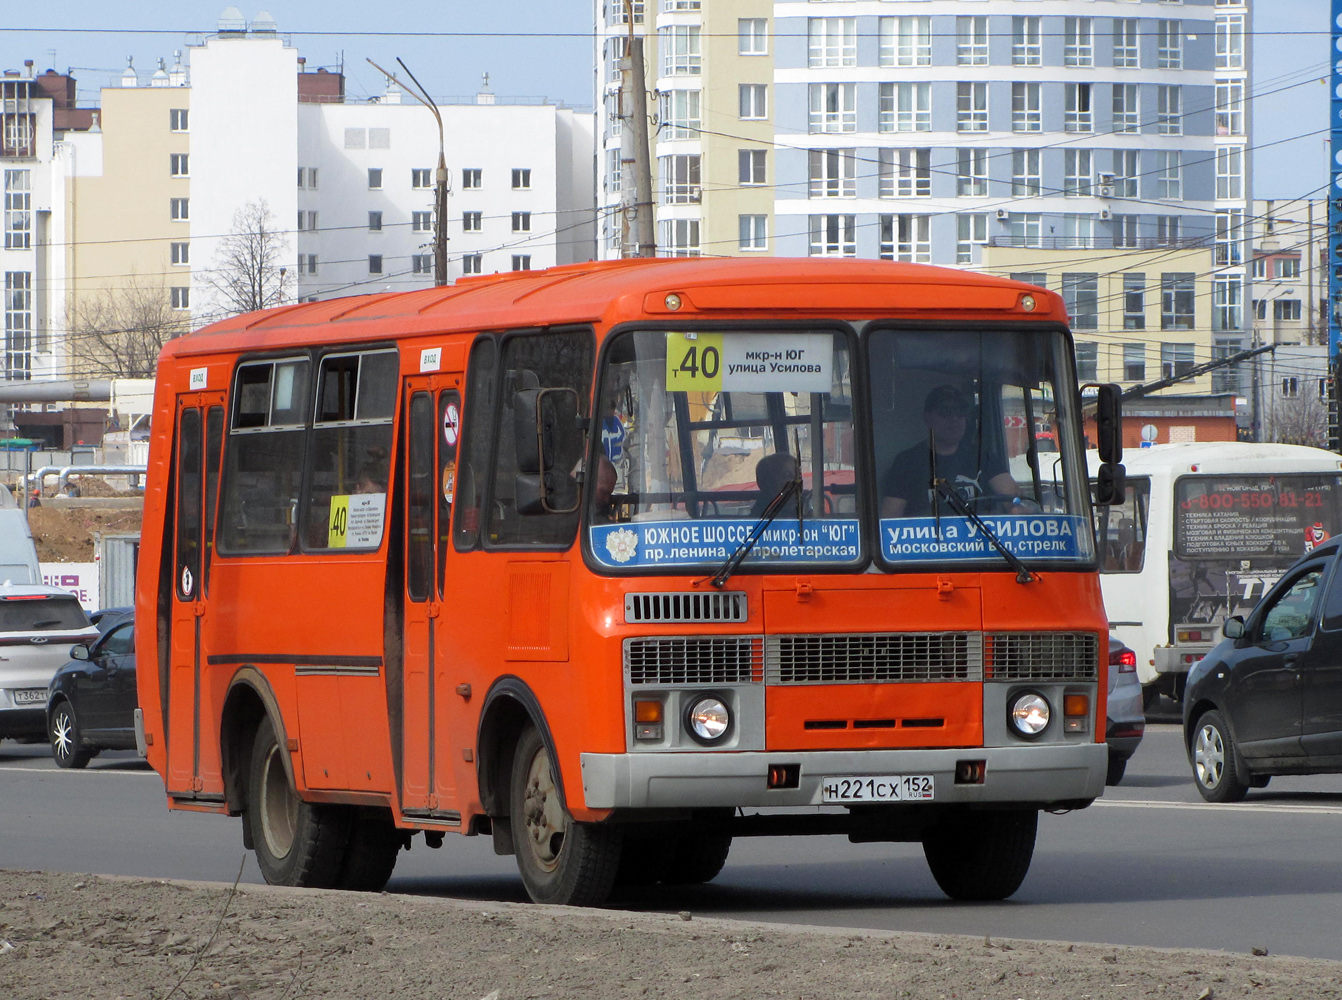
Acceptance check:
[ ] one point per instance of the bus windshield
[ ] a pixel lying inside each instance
(987, 415)
(699, 431)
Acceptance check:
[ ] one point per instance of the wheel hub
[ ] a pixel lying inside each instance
(1209, 757)
(278, 805)
(63, 734)
(543, 814)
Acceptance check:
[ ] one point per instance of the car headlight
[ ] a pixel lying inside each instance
(708, 720)
(1029, 714)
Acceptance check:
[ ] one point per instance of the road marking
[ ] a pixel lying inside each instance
(1248, 807)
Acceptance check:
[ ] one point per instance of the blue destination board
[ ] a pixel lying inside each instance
(710, 541)
(1029, 536)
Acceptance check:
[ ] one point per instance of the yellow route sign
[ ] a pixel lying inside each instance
(694, 362)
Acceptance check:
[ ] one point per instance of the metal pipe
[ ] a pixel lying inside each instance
(134, 471)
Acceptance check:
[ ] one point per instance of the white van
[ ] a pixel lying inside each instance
(1205, 530)
(18, 555)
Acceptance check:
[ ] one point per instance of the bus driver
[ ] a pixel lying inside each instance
(905, 490)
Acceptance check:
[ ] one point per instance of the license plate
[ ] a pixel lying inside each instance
(31, 696)
(877, 788)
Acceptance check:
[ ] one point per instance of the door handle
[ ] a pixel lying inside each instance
(1289, 658)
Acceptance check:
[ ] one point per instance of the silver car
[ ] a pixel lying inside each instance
(1126, 720)
(38, 626)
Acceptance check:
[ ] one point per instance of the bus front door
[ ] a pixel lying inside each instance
(432, 421)
(200, 428)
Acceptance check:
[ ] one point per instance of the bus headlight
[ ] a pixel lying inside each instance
(1029, 714)
(708, 720)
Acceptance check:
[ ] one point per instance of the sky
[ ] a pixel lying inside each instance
(449, 44)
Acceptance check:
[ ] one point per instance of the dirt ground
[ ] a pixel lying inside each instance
(64, 533)
(79, 936)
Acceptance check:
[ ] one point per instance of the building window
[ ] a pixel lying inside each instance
(421, 263)
(1258, 269)
(1134, 301)
(905, 173)
(754, 101)
(180, 297)
(18, 210)
(833, 173)
(971, 107)
(521, 262)
(1167, 230)
(1134, 362)
(181, 209)
(906, 41)
(971, 41)
(754, 232)
(618, 13)
(1126, 52)
(472, 222)
(521, 222)
(1126, 112)
(1175, 360)
(18, 325)
(971, 230)
(521, 178)
(680, 50)
(1229, 239)
(681, 183)
(421, 177)
(1077, 173)
(971, 172)
(1286, 310)
(1025, 113)
(1229, 41)
(906, 107)
(1169, 45)
(1026, 181)
(472, 263)
(307, 178)
(1025, 46)
(1230, 173)
(833, 107)
(833, 236)
(750, 167)
(307, 263)
(1126, 172)
(906, 238)
(471, 178)
(1177, 294)
(680, 238)
(421, 222)
(1077, 115)
(1078, 231)
(1025, 229)
(307, 222)
(1229, 107)
(181, 253)
(1126, 231)
(375, 222)
(680, 115)
(1078, 47)
(1037, 278)
(1287, 267)
(1290, 386)
(832, 42)
(178, 120)
(178, 165)
(1169, 117)
(752, 36)
(1228, 303)
(1081, 293)
(1087, 361)
(614, 170)
(374, 263)
(1169, 173)
(374, 178)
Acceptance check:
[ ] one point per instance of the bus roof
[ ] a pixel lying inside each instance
(614, 291)
(1223, 457)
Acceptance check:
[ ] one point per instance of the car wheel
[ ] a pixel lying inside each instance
(561, 860)
(982, 855)
(66, 743)
(1213, 755)
(1118, 765)
(297, 843)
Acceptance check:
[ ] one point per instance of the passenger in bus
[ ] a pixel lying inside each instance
(772, 473)
(373, 475)
(603, 485)
(906, 489)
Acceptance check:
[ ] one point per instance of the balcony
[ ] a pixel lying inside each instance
(1097, 243)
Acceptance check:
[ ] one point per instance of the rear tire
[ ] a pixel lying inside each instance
(982, 855)
(297, 843)
(561, 860)
(1118, 766)
(1213, 758)
(370, 855)
(697, 858)
(67, 745)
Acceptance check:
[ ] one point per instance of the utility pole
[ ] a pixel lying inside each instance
(639, 239)
(439, 176)
(1334, 273)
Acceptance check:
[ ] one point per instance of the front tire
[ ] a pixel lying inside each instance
(1118, 766)
(697, 858)
(67, 745)
(561, 860)
(982, 856)
(1214, 767)
(297, 843)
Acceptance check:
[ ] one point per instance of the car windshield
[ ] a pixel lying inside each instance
(41, 614)
(985, 415)
(699, 431)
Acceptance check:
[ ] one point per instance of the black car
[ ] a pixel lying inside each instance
(1268, 698)
(92, 699)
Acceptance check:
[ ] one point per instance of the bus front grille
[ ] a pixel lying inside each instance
(884, 657)
(1041, 656)
(689, 607)
(737, 659)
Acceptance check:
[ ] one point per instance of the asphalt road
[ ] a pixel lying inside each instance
(1150, 864)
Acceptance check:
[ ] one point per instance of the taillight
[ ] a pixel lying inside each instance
(1123, 658)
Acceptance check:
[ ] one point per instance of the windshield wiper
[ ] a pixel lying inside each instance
(961, 507)
(789, 489)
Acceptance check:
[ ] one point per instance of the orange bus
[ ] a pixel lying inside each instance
(616, 562)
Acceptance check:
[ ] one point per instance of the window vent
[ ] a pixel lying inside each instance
(641, 609)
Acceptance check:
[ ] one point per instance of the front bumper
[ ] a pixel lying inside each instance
(1037, 774)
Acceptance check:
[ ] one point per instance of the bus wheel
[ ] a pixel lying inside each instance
(296, 842)
(696, 859)
(561, 860)
(370, 857)
(1214, 767)
(982, 855)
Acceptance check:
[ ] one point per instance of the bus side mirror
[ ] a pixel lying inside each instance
(548, 439)
(1109, 422)
(1110, 485)
(1233, 627)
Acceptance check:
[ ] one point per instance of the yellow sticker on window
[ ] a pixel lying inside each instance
(336, 529)
(694, 362)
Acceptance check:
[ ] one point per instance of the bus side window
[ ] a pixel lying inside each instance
(1124, 530)
(476, 440)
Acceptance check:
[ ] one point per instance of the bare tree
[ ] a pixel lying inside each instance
(248, 273)
(1300, 419)
(118, 332)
